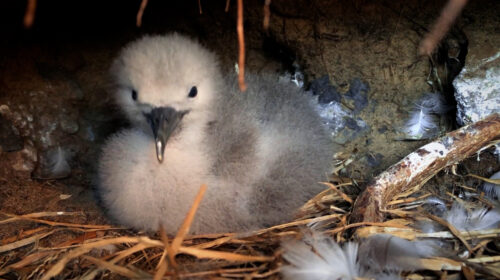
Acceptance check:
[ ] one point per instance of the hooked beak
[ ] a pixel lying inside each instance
(163, 121)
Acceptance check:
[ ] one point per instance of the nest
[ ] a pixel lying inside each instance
(45, 246)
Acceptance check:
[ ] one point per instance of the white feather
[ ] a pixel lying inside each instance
(497, 151)
(472, 219)
(385, 252)
(381, 256)
(492, 189)
(434, 206)
(323, 259)
(423, 122)
(56, 164)
(434, 103)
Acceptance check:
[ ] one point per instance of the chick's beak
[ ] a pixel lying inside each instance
(163, 121)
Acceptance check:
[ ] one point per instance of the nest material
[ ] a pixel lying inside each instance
(46, 246)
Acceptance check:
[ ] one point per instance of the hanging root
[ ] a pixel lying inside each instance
(29, 15)
(441, 27)
(241, 43)
(144, 3)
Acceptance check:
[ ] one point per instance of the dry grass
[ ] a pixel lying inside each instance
(102, 251)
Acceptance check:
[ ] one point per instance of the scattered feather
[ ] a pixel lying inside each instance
(497, 151)
(437, 206)
(472, 219)
(424, 119)
(434, 103)
(298, 79)
(55, 164)
(322, 259)
(420, 125)
(491, 189)
(381, 256)
(385, 252)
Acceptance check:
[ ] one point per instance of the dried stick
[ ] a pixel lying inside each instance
(441, 27)
(138, 22)
(241, 43)
(184, 229)
(421, 165)
(29, 15)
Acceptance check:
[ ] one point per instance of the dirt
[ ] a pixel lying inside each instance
(54, 78)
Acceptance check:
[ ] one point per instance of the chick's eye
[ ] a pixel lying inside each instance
(193, 92)
(134, 94)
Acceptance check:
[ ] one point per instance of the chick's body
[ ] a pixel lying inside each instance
(260, 152)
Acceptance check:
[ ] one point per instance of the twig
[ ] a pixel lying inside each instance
(184, 229)
(24, 242)
(439, 264)
(59, 266)
(227, 6)
(35, 215)
(411, 234)
(485, 259)
(218, 271)
(421, 165)
(121, 270)
(334, 188)
(491, 181)
(241, 43)
(162, 266)
(22, 234)
(295, 223)
(52, 223)
(29, 15)
(353, 225)
(144, 3)
(452, 229)
(441, 27)
(212, 254)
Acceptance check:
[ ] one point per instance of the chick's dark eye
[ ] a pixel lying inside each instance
(134, 94)
(193, 92)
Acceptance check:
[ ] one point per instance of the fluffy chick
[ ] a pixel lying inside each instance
(261, 152)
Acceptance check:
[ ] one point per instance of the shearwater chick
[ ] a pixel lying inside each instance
(260, 152)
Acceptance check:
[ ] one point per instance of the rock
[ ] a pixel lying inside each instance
(69, 126)
(382, 129)
(358, 94)
(354, 128)
(10, 140)
(341, 122)
(324, 90)
(352, 124)
(4, 109)
(24, 161)
(333, 115)
(373, 160)
(477, 88)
